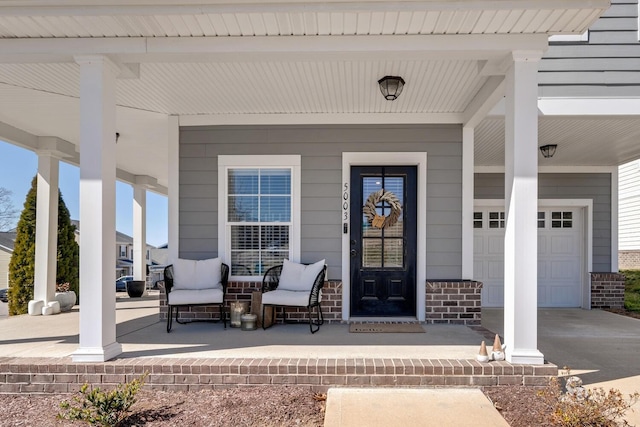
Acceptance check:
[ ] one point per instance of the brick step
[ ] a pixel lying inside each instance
(47, 375)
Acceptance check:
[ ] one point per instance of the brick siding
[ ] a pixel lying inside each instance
(629, 260)
(607, 290)
(242, 291)
(60, 375)
(454, 302)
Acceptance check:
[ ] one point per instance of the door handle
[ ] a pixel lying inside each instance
(354, 253)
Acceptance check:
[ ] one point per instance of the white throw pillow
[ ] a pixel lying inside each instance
(184, 273)
(299, 277)
(197, 274)
(208, 274)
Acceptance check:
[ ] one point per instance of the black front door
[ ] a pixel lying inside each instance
(383, 240)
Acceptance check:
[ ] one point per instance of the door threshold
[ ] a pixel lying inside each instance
(407, 319)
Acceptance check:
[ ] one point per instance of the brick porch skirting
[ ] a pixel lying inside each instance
(607, 290)
(60, 375)
(454, 302)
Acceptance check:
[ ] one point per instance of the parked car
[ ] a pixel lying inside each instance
(121, 283)
(3, 295)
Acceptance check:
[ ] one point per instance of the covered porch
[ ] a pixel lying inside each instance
(123, 83)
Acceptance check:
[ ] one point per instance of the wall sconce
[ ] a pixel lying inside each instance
(117, 136)
(391, 87)
(548, 150)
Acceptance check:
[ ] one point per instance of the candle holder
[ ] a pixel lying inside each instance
(238, 308)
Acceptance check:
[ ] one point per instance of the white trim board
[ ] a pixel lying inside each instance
(420, 160)
(587, 205)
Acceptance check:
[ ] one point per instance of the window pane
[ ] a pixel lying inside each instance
(275, 209)
(243, 181)
(393, 253)
(245, 237)
(275, 237)
(369, 230)
(372, 253)
(275, 181)
(369, 185)
(243, 209)
(477, 215)
(245, 263)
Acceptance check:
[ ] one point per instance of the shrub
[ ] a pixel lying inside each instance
(22, 264)
(102, 408)
(582, 407)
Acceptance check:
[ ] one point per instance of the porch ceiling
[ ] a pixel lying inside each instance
(212, 62)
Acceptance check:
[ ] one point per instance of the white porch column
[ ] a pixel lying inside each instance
(46, 228)
(174, 187)
(97, 210)
(467, 202)
(139, 233)
(521, 208)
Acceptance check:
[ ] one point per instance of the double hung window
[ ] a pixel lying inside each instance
(259, 212)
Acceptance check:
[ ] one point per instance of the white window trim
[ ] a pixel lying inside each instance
(388, 159)
(288, 161)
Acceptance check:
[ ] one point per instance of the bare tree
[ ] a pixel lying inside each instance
(8, 213)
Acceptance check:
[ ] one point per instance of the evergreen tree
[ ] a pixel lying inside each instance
(22, 264)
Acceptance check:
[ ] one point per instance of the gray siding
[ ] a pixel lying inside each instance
(606, 65)
(321, 149)
(596, 186)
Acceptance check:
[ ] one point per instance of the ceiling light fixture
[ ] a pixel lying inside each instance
(391, 87)
(548, 150)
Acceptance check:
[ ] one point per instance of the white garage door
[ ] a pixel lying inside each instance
(560, 256)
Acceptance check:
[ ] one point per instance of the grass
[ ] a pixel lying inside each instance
(632, 290)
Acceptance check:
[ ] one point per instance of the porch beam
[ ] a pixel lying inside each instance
(463, 46)
(320, 119)
(486, 98)
(521, 208)
(97, 210)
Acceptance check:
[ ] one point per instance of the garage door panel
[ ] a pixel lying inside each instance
(542, 270)
(478, 245)
(563, 270)
(562, 296)
(495, 245)
(495, 270)
(478, 268)
(494, 295)
(563, 245)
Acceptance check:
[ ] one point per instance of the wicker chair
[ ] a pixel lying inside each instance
(309, 299)
(184, 296)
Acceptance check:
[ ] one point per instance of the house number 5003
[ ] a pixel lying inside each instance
(345, 202)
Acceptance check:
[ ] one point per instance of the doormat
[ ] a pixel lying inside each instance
(378, 328)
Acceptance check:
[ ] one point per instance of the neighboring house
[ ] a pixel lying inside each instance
(7, 239)
(265, 125)
(124, 251)
(629, 219)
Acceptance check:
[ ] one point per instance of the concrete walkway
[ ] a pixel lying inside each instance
(410, 407)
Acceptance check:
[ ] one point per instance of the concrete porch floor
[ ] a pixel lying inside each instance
(34, 355)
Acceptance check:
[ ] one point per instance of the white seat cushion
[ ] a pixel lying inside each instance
(197, 274)
(195, 296)
(299, 277)
(284, 297)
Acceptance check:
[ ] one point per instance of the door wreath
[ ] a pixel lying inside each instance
(382, 221)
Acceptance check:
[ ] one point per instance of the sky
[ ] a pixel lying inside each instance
(18, 166)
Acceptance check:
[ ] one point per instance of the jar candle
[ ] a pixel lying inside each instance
(249, 322)
(237, 310)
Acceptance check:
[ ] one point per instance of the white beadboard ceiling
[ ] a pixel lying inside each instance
(326, 62)
(295, 18)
